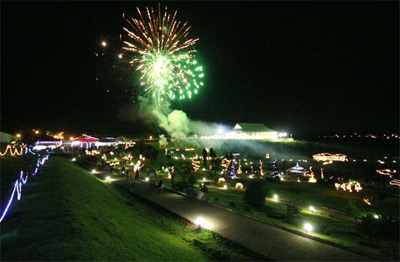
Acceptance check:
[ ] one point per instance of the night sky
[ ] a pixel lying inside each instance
(301, 67)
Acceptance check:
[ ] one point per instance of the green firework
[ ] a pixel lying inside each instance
(164, 55)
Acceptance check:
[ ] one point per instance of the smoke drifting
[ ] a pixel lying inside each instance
(182, 132)
(175, 122)
(163, 141)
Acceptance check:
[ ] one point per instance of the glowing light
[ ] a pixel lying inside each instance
(196, 163)
(71, 138)
(14, 149)
(327, 157)
(104, 43)
(308, 227)
(239, 186)
(225, 187)
(386, 172)
(376, 216)
(367, 201)
(239, 170)
(108, 178)
(146, 179)
(92, 152)
(73, 159)
(394, 182)
(201, 222)
(348, 186)
(225, 163)
(275, 197)
(36, 132)
(312, 178)
(18, 135)
(204, 179)
(311, 208)
(358, 187)
(137, 166)
(93, 171)
(220, 180)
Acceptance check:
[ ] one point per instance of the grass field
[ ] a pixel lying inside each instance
(68, 214)
(337, 226)
(326, 226)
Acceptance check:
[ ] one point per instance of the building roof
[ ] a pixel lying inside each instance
(252, 127)
(298, 169)
(86, 138)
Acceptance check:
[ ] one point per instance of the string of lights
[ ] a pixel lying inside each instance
(14, 149)
(22, 180)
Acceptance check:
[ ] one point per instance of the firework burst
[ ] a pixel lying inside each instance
(163, 54)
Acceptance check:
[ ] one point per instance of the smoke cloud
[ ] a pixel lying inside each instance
(163, 141)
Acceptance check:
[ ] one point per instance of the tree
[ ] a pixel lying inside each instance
(255, 194)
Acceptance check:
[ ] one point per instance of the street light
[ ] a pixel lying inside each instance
(308, 227)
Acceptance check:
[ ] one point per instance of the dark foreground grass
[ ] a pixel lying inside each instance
(9, 172)
(67, 214)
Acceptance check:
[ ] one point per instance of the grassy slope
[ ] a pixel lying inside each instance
(66, 214)
(9, 171)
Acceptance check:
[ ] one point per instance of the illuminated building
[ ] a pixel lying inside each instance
(297, 169)
(249, 131)
(327, 157)
(84, 141)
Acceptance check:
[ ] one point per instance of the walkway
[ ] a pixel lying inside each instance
(262, 238)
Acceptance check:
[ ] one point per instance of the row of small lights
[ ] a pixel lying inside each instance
(37, 132)
(201, 222)
(367, 136)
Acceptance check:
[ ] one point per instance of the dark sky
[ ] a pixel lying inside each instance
(304, 67)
